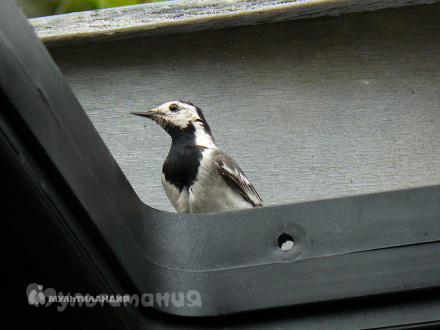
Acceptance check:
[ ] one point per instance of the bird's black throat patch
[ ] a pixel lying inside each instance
(183, 160)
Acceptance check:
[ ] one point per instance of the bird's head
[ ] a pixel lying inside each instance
(177, 117)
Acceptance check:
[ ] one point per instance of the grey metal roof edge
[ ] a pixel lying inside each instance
(188, 16)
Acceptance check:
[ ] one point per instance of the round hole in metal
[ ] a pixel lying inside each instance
(285, 242)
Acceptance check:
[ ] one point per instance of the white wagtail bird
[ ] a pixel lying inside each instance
(197, 176)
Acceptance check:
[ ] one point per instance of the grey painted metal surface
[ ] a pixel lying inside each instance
(310, 109)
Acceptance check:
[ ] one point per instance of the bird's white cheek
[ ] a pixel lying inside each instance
(181, 120)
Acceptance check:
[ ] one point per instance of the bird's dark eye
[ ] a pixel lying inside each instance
(174, 107)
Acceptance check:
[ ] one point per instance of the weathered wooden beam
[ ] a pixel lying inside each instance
(188, 16)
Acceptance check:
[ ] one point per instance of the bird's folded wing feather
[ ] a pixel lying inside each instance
(235, 177)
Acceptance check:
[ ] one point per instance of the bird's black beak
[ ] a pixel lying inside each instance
(149, 114)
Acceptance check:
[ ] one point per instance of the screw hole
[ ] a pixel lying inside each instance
(285, 242)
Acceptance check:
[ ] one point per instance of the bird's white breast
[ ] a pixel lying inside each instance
(178, 199)
(209, 193)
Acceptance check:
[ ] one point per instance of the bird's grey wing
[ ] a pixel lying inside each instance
(235, 177)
